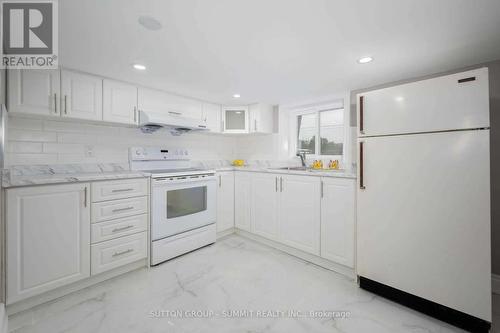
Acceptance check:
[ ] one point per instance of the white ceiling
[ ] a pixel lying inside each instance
(276, 51)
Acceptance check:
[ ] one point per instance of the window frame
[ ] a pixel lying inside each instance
(317, 110)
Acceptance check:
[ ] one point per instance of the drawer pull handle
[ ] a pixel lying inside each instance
(116, 254)
(122, 228)
(122, 209)
(467, 79)
(122, 190)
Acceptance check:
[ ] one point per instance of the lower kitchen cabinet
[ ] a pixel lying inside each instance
(242, 199)
(264, 205)
(300, 212)
(225, 200)
(48, 238)
(338, 220)
(118, 252)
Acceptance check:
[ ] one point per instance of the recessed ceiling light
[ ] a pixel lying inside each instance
(365, 60)
(149, 22)
(139, 67)
(236, 96)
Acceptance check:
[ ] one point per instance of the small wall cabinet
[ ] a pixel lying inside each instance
(235, 119)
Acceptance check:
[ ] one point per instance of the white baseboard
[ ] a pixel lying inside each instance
(495, 284)
(71, 288)
(222, 234)
(325, 263)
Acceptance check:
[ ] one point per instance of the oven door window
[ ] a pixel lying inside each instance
(186, 201)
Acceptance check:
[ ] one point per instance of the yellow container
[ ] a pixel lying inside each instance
(239, 163)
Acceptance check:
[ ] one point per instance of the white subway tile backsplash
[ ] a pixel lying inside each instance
(26, 159)
(33, 141)
(28, 135)
(63, 148)
(23, 147)
(25, 123)
(76, 127)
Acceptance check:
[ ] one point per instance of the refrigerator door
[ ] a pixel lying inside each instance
(458, 101)
(423, 218)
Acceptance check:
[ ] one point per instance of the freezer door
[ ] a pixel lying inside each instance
(423, 217)
(458, 101)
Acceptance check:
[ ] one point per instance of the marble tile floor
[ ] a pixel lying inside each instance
(233, 274)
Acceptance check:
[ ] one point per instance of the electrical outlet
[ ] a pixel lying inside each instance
(89, 151)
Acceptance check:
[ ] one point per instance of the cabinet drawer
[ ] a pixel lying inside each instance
(118, 252)
(119, 189)
(104, 231)
(108, 210)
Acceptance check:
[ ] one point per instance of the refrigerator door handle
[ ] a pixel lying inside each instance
(361, 112)
(361, 171)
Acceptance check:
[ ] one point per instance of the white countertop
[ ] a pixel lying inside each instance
(18, 176)
(309, 172)
(30, 180)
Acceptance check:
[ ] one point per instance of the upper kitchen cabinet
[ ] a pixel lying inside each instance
(457, 101)
(81, 95)
(156, 101)
(119, 102)
(34, 91)
(235, 119)
(261, 118)
(212, 116)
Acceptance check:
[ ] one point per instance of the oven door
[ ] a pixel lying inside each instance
(181, 204)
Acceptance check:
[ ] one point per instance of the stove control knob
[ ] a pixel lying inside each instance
(185, 152)
(138, 152)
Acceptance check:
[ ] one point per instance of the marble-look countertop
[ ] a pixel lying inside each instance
(19, 176)
(309, 172)
(29, 175)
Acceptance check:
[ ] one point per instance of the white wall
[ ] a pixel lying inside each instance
(282, 145)
(36, 141)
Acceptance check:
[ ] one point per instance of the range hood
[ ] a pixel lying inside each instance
(150, 122)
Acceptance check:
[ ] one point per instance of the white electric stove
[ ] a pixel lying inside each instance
(183, 201)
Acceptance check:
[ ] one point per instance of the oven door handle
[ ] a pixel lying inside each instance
(183, 180)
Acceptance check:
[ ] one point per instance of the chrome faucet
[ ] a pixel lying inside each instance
(302, 155)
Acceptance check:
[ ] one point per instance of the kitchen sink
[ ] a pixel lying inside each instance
(295, 168)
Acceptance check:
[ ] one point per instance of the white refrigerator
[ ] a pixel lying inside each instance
(423, 205)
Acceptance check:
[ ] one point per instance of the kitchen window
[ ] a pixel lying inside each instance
(321, 132)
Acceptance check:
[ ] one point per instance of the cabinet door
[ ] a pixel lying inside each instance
(449, 102)
(242, 199)
(337, 220)
(264, 205)
(261, 118)
(300, 212)
(225, 201)
(34, 91)
(81, 96)
(156, 101)
(48, 238)
(119, 102)
(212, 116)
(235, 119)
